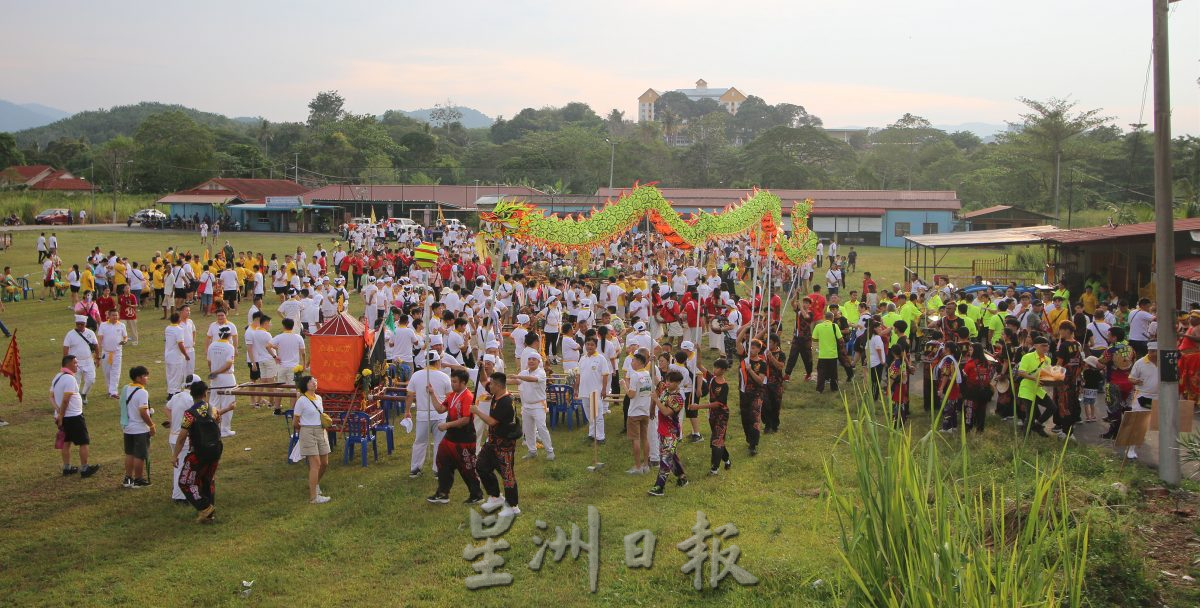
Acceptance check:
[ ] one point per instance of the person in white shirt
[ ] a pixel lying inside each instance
(591, 386)
(426, 387)
(289, 347)
(68, 417)
(215, 327)
(82, 343)
(310, 312)
(176, 406)
(314, 441)
(229, 287)
(138, 427)
(221, 355)
(259, 281)
(531, 383)
(1144, 377)
(264, 358)
(291, 307)
(189, 338)
(405, 343)
(41, 247)
(175, 355)
(638, 387)
(112, 337)
(571, 351)
(877, 360)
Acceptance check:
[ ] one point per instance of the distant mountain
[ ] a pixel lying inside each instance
(472, 118)
(99, 126)
(14, 117)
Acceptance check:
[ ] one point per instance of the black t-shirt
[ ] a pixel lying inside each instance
(502, 411)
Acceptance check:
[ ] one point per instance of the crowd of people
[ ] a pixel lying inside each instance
(631, 322)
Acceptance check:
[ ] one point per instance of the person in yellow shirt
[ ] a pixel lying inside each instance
(1057, 316)
(1089, 300)
(87, 280)
(156, 282)
(119, 270)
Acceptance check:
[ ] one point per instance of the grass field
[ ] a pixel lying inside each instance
(68, 541)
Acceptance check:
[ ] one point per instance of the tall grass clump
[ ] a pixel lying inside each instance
(914, 533)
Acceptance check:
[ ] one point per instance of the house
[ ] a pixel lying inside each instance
(1123, 257)
(43, 177)
(999, 217)
(243, 200)
(852, 217)
(421, 203)
(728, 98)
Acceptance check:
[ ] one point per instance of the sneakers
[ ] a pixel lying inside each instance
(529, 456)
(713, 472)
(682, 482)
(753, 451)
(1037, 428)
(225, 434)
(414, 473)
(140, 483)
(695, 437)
(127, 483)
(473, 500)
(549, 455)
(508, 511)
(320, 500)
(206, 515)
(70, 470)
(656, 491)
(438, 499)
(1131, 453)
(3, 423)
(728, 465)
(89, 470)
(492, 503)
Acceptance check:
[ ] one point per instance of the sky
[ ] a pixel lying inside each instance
(862, 63)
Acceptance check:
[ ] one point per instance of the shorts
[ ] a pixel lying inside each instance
(1088, 396)
(74, 289)
(279, 290)
(314, 441)
(675, 330)
(285, 374)
(75, 430)
(168, 300)
(254, 372)
(230, 295)
(268, 370)
(688, 413)
(137, 445)
(637, 427)
(48, 283)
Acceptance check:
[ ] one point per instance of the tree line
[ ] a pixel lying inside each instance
(1054, 156)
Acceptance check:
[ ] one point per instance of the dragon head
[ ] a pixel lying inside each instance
(509, 215)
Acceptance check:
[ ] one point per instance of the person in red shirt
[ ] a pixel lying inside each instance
(469, 271)
(776, 304)
(445, 269)
(456, 452)
(105, 302)
(691, 313)
(357, 266)
(668, 314)
(127, 305)
(818, 304)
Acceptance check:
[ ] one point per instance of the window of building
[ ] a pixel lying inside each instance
(903, 228)
(929, 228)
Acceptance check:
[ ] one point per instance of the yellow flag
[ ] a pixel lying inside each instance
(481, 247)
(441, 218)
(373, 215)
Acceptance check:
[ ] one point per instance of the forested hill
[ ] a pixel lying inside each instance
(99, 126)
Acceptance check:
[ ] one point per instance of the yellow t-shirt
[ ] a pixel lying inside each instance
(87, 281)
(156, 278)
(119, 274)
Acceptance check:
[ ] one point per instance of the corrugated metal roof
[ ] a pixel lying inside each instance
(1104, 233)
(856, 212)
(462, 197)
(1188, 269)
(201, 199)
(981, 238)
(822, 199)
(998, 208)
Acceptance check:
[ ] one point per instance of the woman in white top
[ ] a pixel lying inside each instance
(314, 442)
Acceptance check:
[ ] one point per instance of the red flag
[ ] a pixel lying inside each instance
(11, 366)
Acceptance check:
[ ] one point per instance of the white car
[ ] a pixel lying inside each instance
(360, 221)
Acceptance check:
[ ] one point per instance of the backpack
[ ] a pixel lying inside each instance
(1122, 358)
(205, 435)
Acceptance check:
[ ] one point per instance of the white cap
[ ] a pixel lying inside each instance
(192, 379)
(492, 358)
(493, 344)
(1152, 346)
(522, 318)
(435, 340)
(639, 326)
(370, 279)
(434, 356)
(80, 319)
(688, 346)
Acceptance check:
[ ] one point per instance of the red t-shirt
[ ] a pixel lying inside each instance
(458, 405)
(105, 304)
(692, 310)
(744, 310)
(669, 311)
(469, 273)
(128, 307)
(818, 306)
(776, 308)
(444, 270)
(868, 286)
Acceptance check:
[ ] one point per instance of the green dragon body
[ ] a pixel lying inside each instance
(759, 216)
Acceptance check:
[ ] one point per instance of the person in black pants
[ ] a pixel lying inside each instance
(801, 340)
(496, 457)
(773, 402)
(717, 390)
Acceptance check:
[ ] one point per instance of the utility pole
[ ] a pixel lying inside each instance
(1164, 251)
(93, 174)
(1057, 183)
(297, 167)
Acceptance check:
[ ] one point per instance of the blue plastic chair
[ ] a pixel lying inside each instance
(560, 398)
(293, 436)
(386, 427)
(358, 432)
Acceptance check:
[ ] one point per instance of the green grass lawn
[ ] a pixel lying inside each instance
(68, 541)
